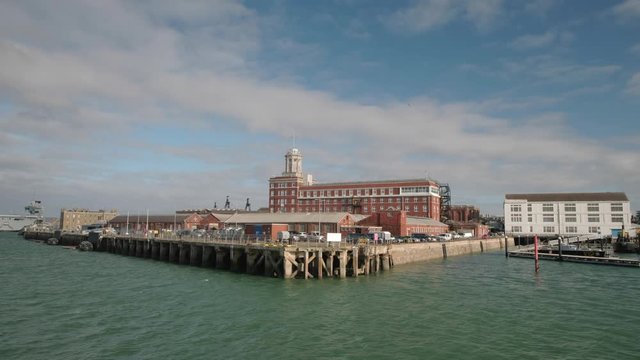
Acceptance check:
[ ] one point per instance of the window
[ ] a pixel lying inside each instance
(366, 209)
(571, 229)
(516, 208)
(516, 218)
(530, 218)
(529, 208)
(415, 208)
(593, 218)
(594, 229)
(616, 207)
(570, 207)
(570, 218)
(549, 229)
(548, 218)
(547, 207)
(424, 208)
(516, 229)
(593, 207)
(617, 218)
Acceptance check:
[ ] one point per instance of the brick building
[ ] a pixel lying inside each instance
(464, 213)
(398, 223)
(292, 192)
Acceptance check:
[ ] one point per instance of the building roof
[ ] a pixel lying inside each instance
(359, 217)
(222, 216)
(374, 182)
(286, 218)
(424, 221)
(152, 218)
(601, 196)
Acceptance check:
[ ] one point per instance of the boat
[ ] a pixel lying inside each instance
(33, 215)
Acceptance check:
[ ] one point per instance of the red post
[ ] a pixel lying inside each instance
(535, 251)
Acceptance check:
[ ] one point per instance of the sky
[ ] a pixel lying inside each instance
(165, 105)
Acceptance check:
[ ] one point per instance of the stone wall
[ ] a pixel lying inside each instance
(412, 252)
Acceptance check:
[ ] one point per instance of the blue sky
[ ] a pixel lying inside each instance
(164, 105)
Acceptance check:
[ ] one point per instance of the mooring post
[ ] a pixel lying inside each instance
(506, 247)
(535, 251)
(559, 248)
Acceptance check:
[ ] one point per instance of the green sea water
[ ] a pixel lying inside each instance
(57, 303)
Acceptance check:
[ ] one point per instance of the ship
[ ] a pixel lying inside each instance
(33, 215)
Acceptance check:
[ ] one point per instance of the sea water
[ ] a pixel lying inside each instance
(58, 303)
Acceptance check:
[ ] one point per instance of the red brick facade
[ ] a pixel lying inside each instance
(399, 223)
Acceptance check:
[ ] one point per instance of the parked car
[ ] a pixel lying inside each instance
(316, 236)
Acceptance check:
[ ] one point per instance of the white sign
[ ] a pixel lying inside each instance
(334, 237)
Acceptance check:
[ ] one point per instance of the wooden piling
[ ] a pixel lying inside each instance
(342, 258)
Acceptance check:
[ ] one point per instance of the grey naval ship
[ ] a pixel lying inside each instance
(33, 215)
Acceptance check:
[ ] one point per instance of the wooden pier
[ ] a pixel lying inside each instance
(576, 258)
(302, 260)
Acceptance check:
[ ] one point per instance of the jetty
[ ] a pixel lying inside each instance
(577, 258)
(566, 250)
(302, 260)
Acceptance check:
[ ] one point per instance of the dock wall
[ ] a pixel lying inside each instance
(408, 253)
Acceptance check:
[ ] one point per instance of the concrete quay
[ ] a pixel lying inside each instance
(301, 260)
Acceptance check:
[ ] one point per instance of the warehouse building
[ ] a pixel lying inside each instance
(567, 214)
(75, 219)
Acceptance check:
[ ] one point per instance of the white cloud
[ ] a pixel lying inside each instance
(548, 38)
(549, 68)
(83, 102)
(534, 41)
(483, 14)
(627, 10)
(633, 85)
(424, 15)
(540, 7)
(635, 49)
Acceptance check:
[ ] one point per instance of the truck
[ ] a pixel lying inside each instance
(283, 236)
(383, 236)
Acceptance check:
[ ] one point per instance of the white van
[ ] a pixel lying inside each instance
(445, 237)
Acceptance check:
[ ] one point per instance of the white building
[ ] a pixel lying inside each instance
(567, 214)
